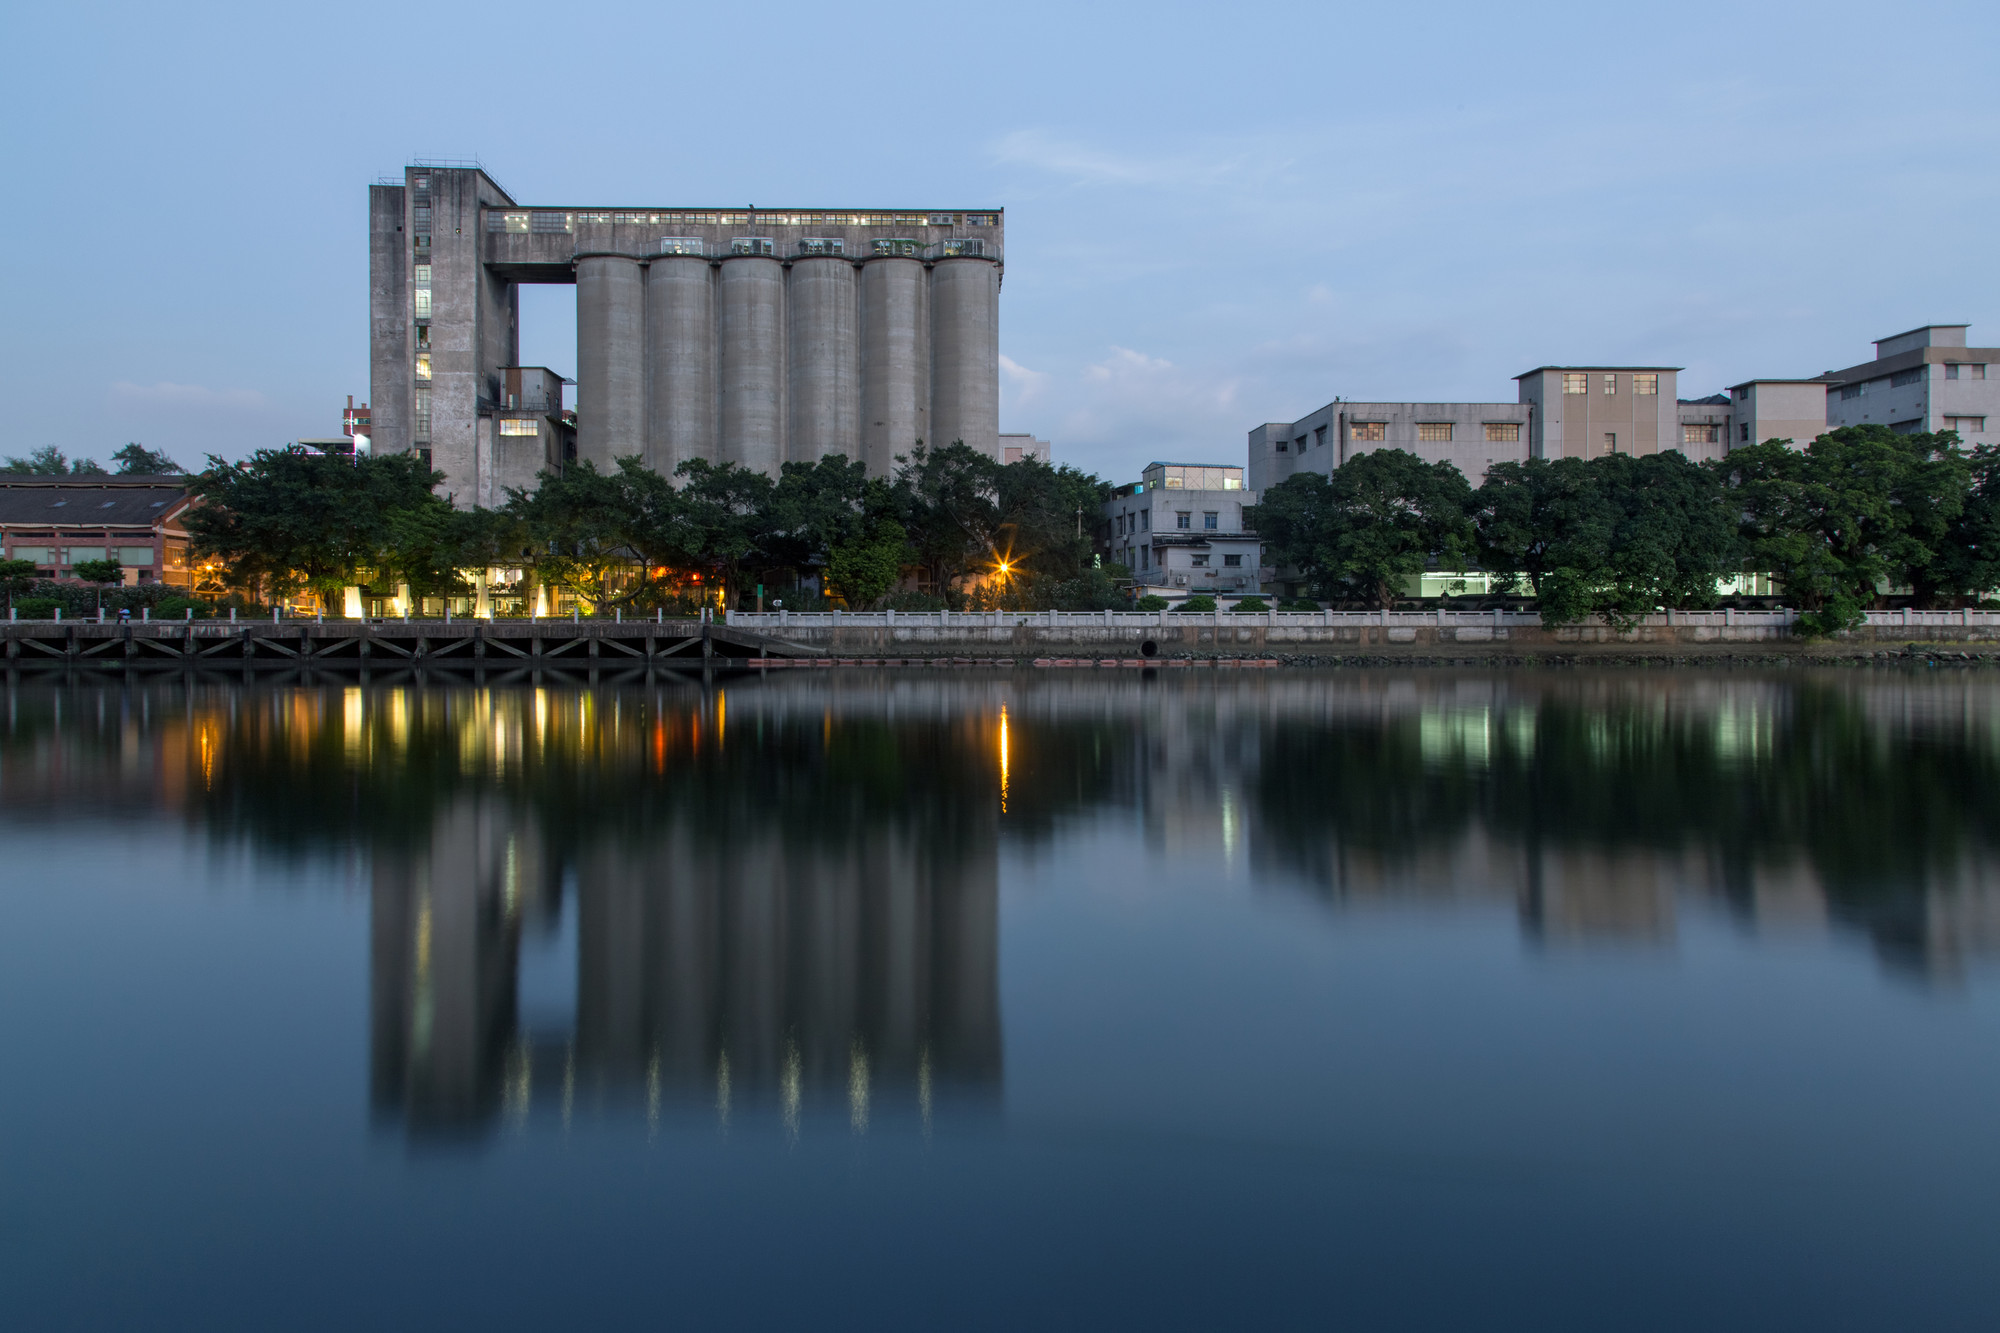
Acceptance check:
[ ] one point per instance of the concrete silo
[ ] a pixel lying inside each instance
(750, 330)
(680, 362)
(610, 359)
(965, 353)
(895, 370)
(825, 359)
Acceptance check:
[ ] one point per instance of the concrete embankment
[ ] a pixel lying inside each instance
(1340, 639)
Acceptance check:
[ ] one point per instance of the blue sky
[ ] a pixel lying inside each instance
(1216, 215)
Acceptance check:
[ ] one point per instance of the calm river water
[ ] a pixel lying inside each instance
(1556, 1000)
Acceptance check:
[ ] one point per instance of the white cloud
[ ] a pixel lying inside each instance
(1021, 387)
(186, 397)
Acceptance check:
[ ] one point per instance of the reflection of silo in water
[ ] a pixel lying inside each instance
(802, 969)
(824, 359)
(445, 934)
(965, 324)
(680, 394)
(893, 377)
(752, 335)
(610, 359)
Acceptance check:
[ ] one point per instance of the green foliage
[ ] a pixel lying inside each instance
(283, 520)
(947, 503)
(49, 461)
(16, 578)
(578, 526)
(1152, 601)
(1545, 521)
(1618, 536)
(1298, 604)
(1371, 528)
(865, 567)
(1091, 589)
(135, 460)
(36, 608)
(1203, 603)
(1250, 604)
(1965, 565)
(1858, 508)
(97, 571)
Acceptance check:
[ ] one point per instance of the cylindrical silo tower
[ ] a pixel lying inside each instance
(680, 362)
(825, 359)
(751, 330)
(965, 353)
(610, 359)
(894, 373)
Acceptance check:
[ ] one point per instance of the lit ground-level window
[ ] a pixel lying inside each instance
(1503, 432)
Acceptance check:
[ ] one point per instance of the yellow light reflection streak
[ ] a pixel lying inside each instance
(1003, 759)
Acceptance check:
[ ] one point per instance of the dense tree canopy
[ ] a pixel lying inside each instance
(1364, 533)
(1858, 509)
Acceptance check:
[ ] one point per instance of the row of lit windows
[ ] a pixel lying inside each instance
(140, 556)
(1644, 385)
(520, 426)
(1966, 425)
(829, 245)
(546, 222)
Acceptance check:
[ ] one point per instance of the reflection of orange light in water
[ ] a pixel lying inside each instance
(694, 734)
(1003, 759)
(207, 759)
(659, 747)
(721, 718)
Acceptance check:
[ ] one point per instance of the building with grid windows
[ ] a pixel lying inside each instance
(1179, 529)
(733, 335)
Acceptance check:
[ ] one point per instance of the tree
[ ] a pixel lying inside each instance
(1547, 520)
(135, 460)
(1966, 564)
(1368, 530)
(1671, 540)
(578, 526)
(49, 461)
(946, 500)
(1045, 517)
(17, 577)
(724, 515)
(817, 507)
(283, 519)
(1859, 508)
(864, 568)
(100, 572)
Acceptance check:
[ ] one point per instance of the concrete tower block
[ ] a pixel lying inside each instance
(610, 359)
(894, 376)
(965, 341)
(825, 359)
(752, 337)
(680, 362)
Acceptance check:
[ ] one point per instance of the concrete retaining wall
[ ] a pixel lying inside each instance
(1304, 634)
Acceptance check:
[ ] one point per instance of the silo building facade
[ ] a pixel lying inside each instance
(748, 336)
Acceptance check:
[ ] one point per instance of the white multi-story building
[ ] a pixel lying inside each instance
(1923, 380)
(1180, 530)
